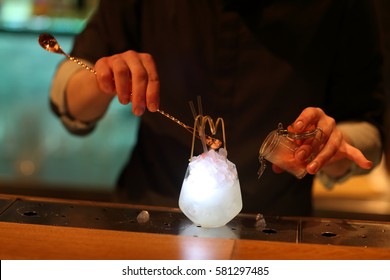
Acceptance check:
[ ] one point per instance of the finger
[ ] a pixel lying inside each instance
(328, 151)
(357, 156)
(122, 79)
(139, 77)
(153, 86)
(104, 76)
(312, 118)
(303, 154)
(308, 117)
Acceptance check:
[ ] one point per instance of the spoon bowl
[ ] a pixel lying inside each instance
(49, 43)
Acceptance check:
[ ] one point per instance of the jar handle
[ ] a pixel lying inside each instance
(297, 136)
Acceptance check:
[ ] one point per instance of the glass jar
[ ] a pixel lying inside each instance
(280, 147)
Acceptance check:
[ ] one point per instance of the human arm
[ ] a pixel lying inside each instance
(351, 116)
(104, 45)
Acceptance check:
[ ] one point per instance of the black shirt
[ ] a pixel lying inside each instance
(255, 64)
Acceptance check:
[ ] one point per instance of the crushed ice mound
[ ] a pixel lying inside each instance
(215, 167)
(211, 195)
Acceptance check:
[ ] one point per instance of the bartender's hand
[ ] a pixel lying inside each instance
(133, 77)
(335, 153)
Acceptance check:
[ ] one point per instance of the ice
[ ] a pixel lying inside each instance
(143, 217)
(215, 166)
(260, 222)
(211, 194)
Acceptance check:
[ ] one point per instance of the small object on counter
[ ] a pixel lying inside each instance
(260, 222)
(143, 217)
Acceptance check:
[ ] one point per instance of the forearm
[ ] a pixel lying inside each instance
(85, 101)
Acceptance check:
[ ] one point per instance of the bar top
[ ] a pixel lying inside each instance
(42, 228)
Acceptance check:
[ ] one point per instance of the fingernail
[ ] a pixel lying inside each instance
(123, 101)
(153, 107)
(313, 167)
(370, 164)
(298, 125)
(139, 110)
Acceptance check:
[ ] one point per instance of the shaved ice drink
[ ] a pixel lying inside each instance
(210, 195)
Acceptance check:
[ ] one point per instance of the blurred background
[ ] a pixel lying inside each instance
(37, 155)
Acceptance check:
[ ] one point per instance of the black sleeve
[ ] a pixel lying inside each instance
(111, 29)
(356, 84)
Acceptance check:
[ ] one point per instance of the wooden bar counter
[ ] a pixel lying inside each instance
(64, 229)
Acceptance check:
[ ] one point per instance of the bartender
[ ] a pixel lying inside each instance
(255, 64)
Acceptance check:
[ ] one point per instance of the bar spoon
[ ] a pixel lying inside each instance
(50, 44)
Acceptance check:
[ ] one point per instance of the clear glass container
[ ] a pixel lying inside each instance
(210, 195)
(280, 147)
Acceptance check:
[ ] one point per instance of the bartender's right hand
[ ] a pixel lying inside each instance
(133, 77)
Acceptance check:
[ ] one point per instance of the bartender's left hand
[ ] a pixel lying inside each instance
(335, 148)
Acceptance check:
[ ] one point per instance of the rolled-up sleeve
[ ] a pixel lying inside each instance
(58, 102)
